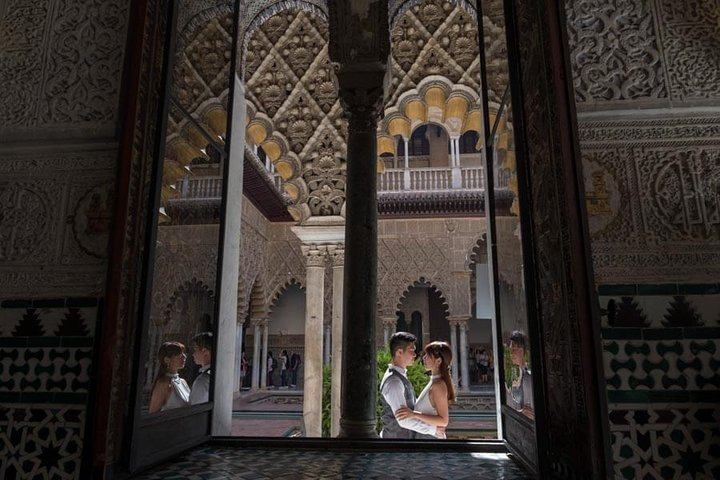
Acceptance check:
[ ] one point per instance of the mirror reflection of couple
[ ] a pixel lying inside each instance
(404, 416)
(169, 390)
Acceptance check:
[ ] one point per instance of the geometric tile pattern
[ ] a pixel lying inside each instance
(666, 441)
(661, 355)
(24, 370)
(227, 462)
(46, 354)
(42, 443)
(681, 364)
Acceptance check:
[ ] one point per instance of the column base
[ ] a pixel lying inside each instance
(357, 428)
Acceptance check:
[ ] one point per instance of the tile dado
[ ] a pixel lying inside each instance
(46, 355)
(661, 355)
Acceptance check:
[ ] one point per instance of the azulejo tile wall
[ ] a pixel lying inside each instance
(46, 355)
(661, 351)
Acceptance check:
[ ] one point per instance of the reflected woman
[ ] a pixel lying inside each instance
(169, 390)
(433, 404)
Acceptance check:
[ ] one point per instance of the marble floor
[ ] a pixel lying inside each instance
(227, 462)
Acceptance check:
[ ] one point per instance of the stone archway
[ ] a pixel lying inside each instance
(425, 312)
(286, 321)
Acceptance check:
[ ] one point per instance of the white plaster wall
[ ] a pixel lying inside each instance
(288, 316)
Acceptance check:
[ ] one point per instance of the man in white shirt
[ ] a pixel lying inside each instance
(202, 355)
(396, 391)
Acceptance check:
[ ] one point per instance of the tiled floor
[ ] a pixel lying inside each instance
(222, 462)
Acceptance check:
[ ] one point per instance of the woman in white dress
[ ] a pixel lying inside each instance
(433, 404)
(169, 390)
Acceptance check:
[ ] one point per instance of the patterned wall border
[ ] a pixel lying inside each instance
(663, 383)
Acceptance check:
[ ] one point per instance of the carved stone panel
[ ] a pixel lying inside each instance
(55, 210)
(651, 192)
(691, 47)
(55, 73)
(615, 50)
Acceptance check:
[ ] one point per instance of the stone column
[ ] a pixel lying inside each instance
(257, 362)
(406, 171)
(263, 354)
(239, 332)
(464, 366)
(313, 362)
(389, 324)
(453, 347)
(224, 353)
(337, 254)
(326, 344)
(456, 175)
(360, 308)
(360, 45)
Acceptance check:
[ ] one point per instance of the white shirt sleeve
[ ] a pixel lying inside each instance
(394, 393)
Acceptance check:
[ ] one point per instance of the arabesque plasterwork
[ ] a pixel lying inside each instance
(661, 218)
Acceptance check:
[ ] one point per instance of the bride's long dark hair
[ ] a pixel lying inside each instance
(442, 351)
(167, 350)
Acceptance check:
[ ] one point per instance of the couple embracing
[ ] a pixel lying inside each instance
(404, 416)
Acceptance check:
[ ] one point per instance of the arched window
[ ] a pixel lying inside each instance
(418, 144)
(401, 324)
(468, 142)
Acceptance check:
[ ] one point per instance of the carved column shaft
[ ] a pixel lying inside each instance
(338, 259)
(360, 43)
(463, 360)
(256, 356)
(454, 349)
(360, 308)
(326, 343)
(239, 333)
(264, 354)
(313, 363)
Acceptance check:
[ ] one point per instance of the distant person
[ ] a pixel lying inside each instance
(294, 367)
(243, 368)
(270, 368)
(433, 404)
(283, 369)
(396, 392)
(483, 365)
(169, 390)
(202, 355)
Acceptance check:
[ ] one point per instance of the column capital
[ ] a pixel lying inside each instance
(388, 321)
(314, 254)
(459, 320)
(337, 254)
(260, 322)
(362, 104)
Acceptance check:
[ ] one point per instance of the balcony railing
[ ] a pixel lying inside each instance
(431, 179)
(208, 188)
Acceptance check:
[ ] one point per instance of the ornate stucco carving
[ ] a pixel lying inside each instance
(691, 47)
(660, 176)
(56, 74)
(409, 250)
(644, 51)
(615, 50)
(433, 37)
(296, 116)
(56, 211)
